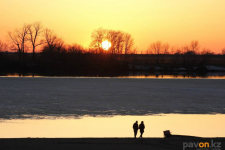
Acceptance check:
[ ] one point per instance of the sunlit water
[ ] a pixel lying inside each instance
(116, 126)
(108, 107)
(143, 74)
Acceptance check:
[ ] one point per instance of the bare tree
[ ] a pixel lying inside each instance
(54, 44)
(156, 48)
(120, 42)
(165, 50)
(3, 46)
(134, 50)
(50, 37)
(111, 35)
(128, 43)
(35, 31)
(189, 54)
(172, 50)
(19, 37)
(178, 51)
(185, 49)
(148, 51)
(97, 38)
(116, 39)
(194, 47)
(223, 51)
(75, 48)
(206, 56)
(206, 51)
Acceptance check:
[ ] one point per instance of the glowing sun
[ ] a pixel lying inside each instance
(106, 45)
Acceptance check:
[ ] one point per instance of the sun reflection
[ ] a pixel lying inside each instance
(116, 126)
(151, 76)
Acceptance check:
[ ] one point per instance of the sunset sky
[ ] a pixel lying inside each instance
(176, 22)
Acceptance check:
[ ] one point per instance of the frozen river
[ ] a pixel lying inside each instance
(75, 97)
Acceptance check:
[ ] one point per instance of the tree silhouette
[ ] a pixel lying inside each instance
(97, 38)
(128, 43)
(156, 48)
(3, 46)
(223, 51)
(75, 49)
(120, 41)
(116, 39)
(35, 31)
(19, 37)
(54, 44)
(194, 47)
(206, 51)
(165, 50)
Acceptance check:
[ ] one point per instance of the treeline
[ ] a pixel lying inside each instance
(35, 38)
(31, 36)
(121, 42)
(75, 62)
(34, 47)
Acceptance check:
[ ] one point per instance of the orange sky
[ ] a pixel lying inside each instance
(176, 22)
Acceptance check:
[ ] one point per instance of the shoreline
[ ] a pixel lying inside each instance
(173, 143)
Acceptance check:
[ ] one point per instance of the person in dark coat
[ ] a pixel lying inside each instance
(135, 127)
(141, 127)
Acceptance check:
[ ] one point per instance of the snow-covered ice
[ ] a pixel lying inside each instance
(74, 97)
(215, 68)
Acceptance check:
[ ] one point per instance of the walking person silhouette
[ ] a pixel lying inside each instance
(141, 127)
(135, 127)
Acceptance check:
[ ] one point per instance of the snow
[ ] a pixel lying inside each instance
(60, 97)
(182, 69)
(215, 68)
(139, 67)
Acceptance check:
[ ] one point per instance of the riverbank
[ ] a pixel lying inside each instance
(90, 64)
(172, 143)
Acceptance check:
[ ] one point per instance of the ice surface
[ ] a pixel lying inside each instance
(61, 97)
(215, 68)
